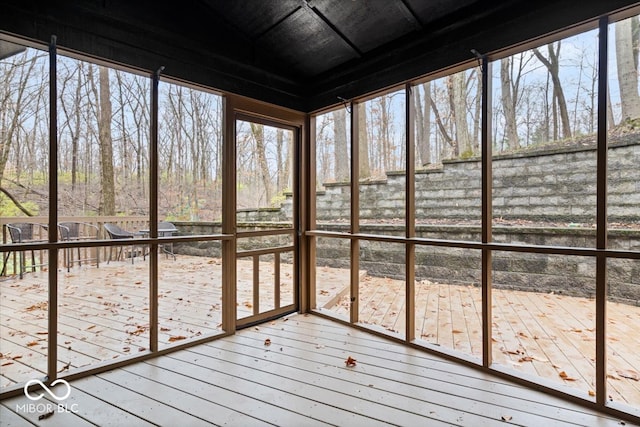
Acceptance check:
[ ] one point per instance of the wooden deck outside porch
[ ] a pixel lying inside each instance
(301, 379)
(103, 315)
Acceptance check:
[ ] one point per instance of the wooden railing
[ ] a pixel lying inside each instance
(10, 260)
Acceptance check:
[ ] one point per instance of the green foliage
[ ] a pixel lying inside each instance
(8, 208)
(64, 177)
(279, 198)
(466, 154)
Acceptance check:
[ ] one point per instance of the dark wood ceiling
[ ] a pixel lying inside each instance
(302, 54)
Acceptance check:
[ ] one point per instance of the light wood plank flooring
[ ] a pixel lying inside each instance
(301, 379)
(103, 313)
(542, 335)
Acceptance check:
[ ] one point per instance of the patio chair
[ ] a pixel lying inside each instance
(166, 229)
(117, 233)
(79, 231)
(27, 232)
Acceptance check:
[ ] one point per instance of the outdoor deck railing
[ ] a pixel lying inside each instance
(10, 260)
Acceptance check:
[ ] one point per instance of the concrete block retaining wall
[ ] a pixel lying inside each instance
(556, 187)
(561, 274)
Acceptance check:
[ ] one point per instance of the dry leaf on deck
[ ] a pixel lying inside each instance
(629, 374)
(32, 343)
(565, 376)
(46, 415)
(592, 393)
(177, 338)
(525, 359)
(350, 362)
(506, 418)
(65, 367)
(267, 342)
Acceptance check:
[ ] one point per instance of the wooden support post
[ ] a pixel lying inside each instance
(601, 217)
(410, 215)
(52, 320)
(355, 214)
(487, 217)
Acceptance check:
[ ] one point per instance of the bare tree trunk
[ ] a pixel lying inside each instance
(15, 96)
(258, 133)
(626, 51)
(280, 159)
(553, 67)
(76, 133)
(108, 200)
(459, 109)
(363, 143)
(478, 112)
(423, 123)
(443, 130)
(341, 149)
(611, 121)
(288, 159)
(508, 104)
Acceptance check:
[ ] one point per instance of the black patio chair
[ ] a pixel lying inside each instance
(79, 231)
(116, 233)
(166, 229)
(27, 232)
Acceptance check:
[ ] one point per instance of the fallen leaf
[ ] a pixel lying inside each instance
(525, 359)
(267, 342)
(165, 329)
(91, 327)
(17, 357)
(565, 376)
(65, 367)
(350, 362)
(32, 343)
(506, 418)
(629, 374)
(592, 393)
(177, 338)
(45, 416)
(7, 364)
(456, 331)
(39, 306)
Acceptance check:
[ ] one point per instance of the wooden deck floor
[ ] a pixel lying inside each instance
(301, 379)
(104, 315)
(542, 335)
(104, 312)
